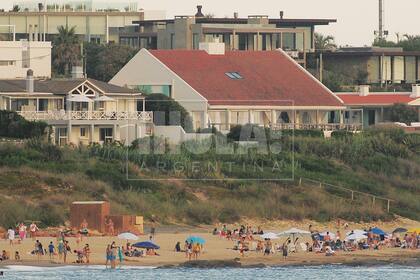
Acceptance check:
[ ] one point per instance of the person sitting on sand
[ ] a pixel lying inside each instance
(329, 252)
(17, 256)
(178, 247)
(5, 255)
(79, 254)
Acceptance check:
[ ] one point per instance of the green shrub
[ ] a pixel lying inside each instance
(342, 134)
(15, 126)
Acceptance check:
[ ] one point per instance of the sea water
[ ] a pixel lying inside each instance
(289, 273)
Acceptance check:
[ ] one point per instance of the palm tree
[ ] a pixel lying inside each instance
(324, 42)
(66, 49)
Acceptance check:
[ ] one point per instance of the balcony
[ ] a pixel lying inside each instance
(62, 115)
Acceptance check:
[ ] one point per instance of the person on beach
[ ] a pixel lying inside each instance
(11, 235)
(178, 247)
(83, 229)
(120, 256)
(86, 252)
(17, 256)
(285, 251)
(189, 251)
(22, 231)
(33, 228)
(51, 250)
(66, 251)
(108, 255)
(113, 255)
(60, 249)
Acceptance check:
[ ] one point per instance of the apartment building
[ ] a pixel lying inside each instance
(39, 22)
(17, 57)
(256, 32)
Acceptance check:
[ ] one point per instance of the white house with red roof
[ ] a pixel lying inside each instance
(376, 105)
(221, 88)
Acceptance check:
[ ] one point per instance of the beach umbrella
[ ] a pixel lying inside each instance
(146, 245)
(294, 231)
(378, 231)
(269, 235)
(356, 231)
(356, 236)
(196, 239)
(414, 230)
(127, 236)
(104, 98)
(400, 230)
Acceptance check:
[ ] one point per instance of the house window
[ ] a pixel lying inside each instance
(234, 75)
(61, 136)
(83, 132)
(106, 135)
(7, 62)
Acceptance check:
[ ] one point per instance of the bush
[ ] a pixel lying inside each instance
(403, 113)
(342, 134)
(167, 105)
(15, 126)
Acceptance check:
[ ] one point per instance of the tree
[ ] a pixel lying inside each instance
(173, 112)
(104, 61)
(16, 8)
(409, 43)
(66, 50)
(403, 113)
(324, 42)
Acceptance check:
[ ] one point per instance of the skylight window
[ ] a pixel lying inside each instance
(234, 75)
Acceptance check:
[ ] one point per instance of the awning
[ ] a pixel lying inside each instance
(80, 98)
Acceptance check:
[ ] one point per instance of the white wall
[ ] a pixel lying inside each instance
(39, 54)
(145, 69)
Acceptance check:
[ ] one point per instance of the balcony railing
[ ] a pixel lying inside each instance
(285, 126)
(86, 115)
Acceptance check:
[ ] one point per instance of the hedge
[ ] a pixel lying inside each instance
(13, 125)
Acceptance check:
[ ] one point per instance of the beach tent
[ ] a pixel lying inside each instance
(127, 236)
(356, 236)
(196, 239)
(356, 231)
(146, 245)
(378, 231)
(269, 235)
(400, 230)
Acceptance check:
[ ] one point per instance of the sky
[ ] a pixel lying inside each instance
(356, 19)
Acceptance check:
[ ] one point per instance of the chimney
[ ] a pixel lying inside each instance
(415, 93)
(199, 14)
(281, 14)
(235, 15)
(77, 72)
(29, 81)
(364, 90)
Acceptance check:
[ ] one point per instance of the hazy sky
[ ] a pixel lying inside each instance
(357, 19)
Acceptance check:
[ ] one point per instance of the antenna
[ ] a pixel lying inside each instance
(381, 33)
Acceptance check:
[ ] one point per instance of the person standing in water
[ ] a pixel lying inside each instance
(120, 256)
(108, 255)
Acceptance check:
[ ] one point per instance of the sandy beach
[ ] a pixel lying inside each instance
(216, 249)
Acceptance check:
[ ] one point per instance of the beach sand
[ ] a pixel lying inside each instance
(216, 249)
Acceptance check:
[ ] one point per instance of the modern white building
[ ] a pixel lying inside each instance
(16, 57)
(223, 88)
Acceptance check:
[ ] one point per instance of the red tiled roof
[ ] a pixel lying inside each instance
(375, 99)
(268, 76)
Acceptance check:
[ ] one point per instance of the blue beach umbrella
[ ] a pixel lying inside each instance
(378, 231)
(146, 245)
(196, 239)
